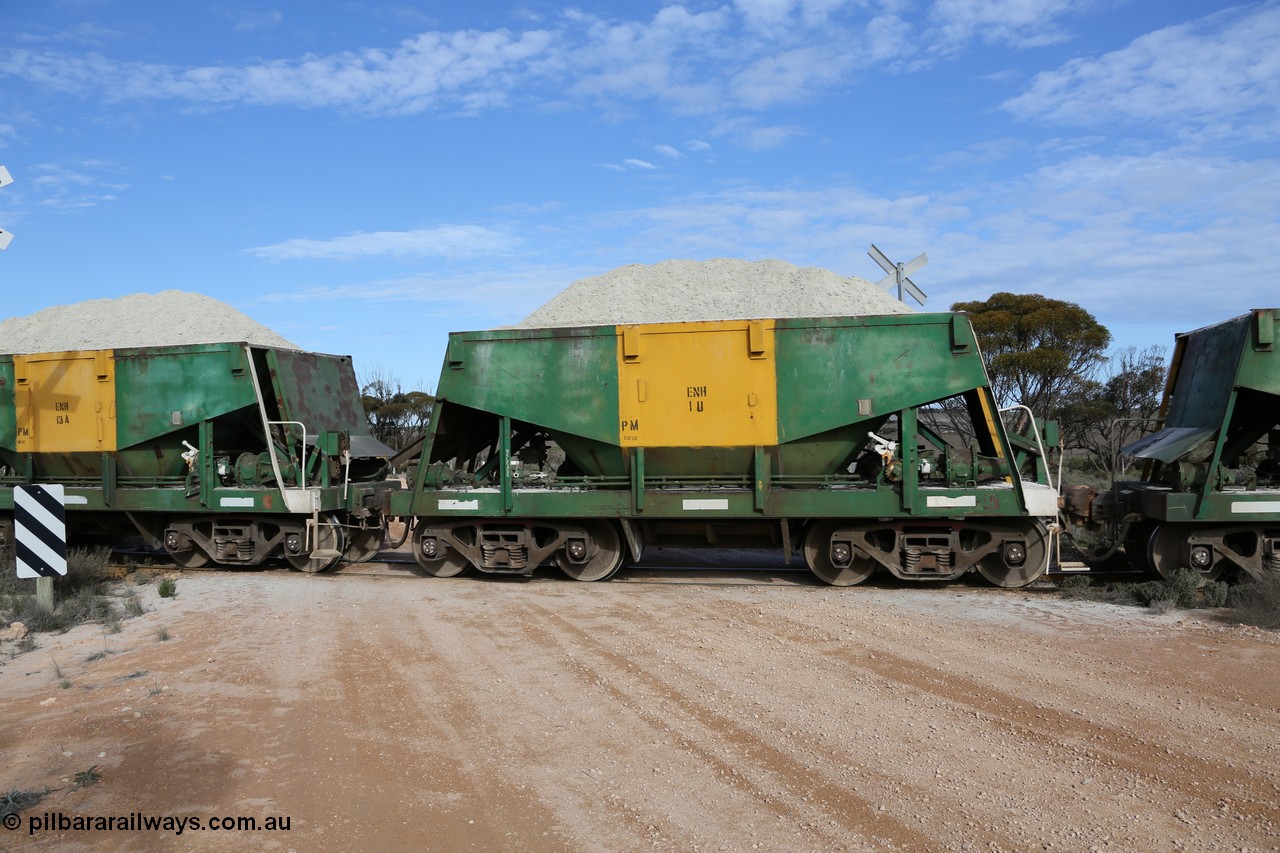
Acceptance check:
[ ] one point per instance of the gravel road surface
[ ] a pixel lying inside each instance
(405, 713)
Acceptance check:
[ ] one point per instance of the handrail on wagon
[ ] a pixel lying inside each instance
(1035, 430)
(299, 461)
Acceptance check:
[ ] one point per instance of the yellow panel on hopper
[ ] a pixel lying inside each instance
(709, 384)
(65, 401)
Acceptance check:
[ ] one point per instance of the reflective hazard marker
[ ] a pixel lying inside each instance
(40, 531)
(5, 236)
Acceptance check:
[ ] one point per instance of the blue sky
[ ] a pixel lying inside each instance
(364, 177)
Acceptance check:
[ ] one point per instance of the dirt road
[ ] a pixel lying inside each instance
(401, 713)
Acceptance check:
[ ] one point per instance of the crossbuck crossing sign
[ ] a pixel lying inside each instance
(40, 531)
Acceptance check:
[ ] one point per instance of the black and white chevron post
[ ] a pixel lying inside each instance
(40, 531)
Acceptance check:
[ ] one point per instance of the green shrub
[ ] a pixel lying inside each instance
(1184, 584)
(1180, 590)
(1257, 602)
(1149, 591)
(63, 681)
(87, 567)
(81, 596)
(15, 801)
(86, 604)
(1216, 594)
(85, 778)
(1083, 588)
(168, 588)
(1075, 586)
(37, 619)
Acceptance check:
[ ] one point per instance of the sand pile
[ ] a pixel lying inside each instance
(718, 289)
(168, 318)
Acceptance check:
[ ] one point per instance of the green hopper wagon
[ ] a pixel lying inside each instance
(1209, 497)
(227, 453)
(867, 443)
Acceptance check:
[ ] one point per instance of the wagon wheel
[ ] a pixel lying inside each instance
(184, 552)
(1017, 563)
(448, 562)
(363, 543)
(604, 547)
(818, 556)
(327, 547)
(1167, 551)
(1137, 543)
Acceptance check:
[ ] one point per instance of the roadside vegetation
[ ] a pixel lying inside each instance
(15, 801)
(1257, 602)
(85, 595)
(1251, 602)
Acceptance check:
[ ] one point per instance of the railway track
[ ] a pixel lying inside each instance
(663, 571)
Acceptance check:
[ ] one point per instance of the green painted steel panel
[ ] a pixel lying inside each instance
(318, 390)
(1216, 360)
(836, 378)
(563, 379)
(717, 504)
(1260, 365)
(826, 366)
(164, 390)
(1208, 373)
(8, 416)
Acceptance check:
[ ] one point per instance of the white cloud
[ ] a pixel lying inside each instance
(461, 71)
(1168, 238)
(638, 60)
(765, 14)
(479, 296)
(665, 150)
(786, 75)
(693, 61)
(631, 164)
(986, 151)
(1219, 75)
(749, 134)
(253, 20)
(1173, 237)
(722, 61)
(82, 33)
(450, 241)
(953, 24)
(778, 16)
(886, 41)
(72, 187)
